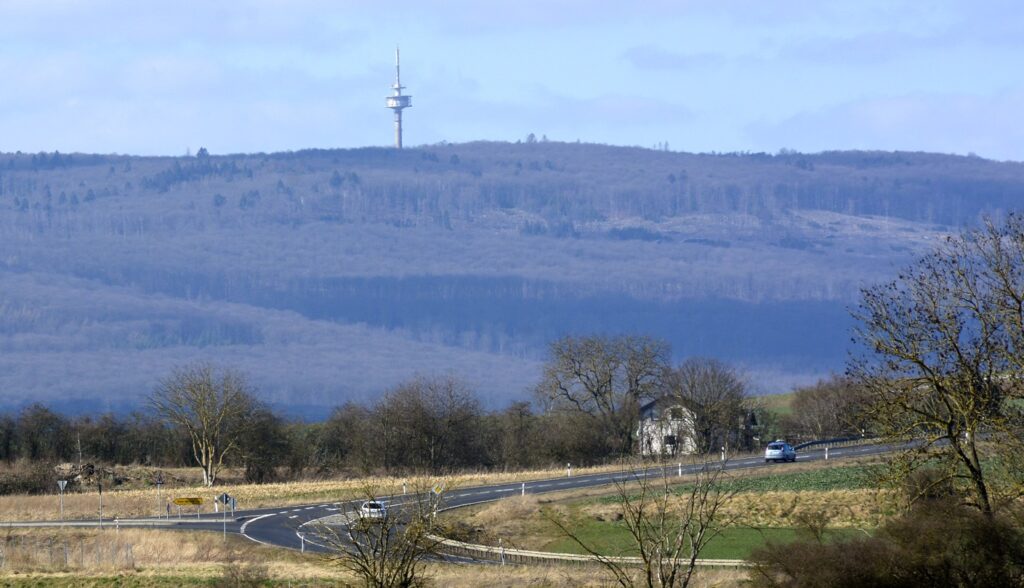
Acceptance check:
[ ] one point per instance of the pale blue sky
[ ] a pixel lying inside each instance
(717, 75)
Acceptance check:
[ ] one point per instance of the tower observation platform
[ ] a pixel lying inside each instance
(398, 101)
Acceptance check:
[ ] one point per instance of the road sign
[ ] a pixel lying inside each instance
(62, 484)
(188, 500)
(224, 498)
(438, 488)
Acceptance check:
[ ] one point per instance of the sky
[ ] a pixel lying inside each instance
(162, 77)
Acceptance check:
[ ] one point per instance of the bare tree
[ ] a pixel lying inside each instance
(606, 378)
(670, 523)
(430, 423)
(829, 408)
(388, 550)
(943, 362)
(215, 407)
(716, 395)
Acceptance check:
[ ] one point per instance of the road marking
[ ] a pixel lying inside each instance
(246, 524)
(282, 512)
(294, 517)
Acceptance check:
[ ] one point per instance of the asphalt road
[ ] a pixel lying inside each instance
(282, 527)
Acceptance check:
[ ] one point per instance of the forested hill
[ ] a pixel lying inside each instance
(332, 274)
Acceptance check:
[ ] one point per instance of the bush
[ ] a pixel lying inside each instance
(937, 543)
(28, 477)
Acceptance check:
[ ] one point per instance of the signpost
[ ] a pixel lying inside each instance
(159, 482)
(62, 484)
(437, 490)
(99, 488)
(187, 500)
(226, 500)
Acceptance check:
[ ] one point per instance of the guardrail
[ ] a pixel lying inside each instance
(836, 442)
(523, 556)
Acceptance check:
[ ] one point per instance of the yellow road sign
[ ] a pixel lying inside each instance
(188, 500)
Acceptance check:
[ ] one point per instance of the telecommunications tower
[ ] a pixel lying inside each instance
(398, 101)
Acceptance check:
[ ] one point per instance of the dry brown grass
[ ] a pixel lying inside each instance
(149, 556)
(567, 576)
(858, 509)
(142, 502)
(172, 558)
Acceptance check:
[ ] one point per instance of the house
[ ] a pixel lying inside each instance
(666, 427)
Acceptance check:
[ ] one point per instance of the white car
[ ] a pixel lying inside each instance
(372, 510)
(779, 451)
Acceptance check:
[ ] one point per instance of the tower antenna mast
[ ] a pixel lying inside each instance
(398, 101)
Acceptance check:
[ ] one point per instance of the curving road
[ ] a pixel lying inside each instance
(282, 527)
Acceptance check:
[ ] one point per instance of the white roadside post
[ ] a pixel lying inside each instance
(680, 470)
(62, 484)
(568, 470)
(826, 453)
(99, 488)
(523, 493)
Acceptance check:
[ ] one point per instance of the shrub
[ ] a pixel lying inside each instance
(937, 543)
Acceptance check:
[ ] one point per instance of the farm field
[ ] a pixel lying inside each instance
(160, 559)
(772, 507)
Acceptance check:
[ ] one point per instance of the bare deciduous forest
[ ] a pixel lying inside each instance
(330, 275)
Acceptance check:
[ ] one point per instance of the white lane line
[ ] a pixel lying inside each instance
(310, 507)
(246, 524)
(283, 512)
(294, 517)
(323, 506)
(297, 510)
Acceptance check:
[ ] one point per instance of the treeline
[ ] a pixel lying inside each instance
(428, 424)
(600, 398)
(559, 182)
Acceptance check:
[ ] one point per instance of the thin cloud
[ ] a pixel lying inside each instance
(652, 57)
(957, 123)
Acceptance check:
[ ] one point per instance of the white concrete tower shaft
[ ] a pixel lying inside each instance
(398, 101)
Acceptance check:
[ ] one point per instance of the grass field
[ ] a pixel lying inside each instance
(765, 507)
(781, 404)
(733, 543)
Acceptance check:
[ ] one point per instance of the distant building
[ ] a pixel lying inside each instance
(666, 427)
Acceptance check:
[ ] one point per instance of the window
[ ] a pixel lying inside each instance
(670, 440)
(676, 413)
